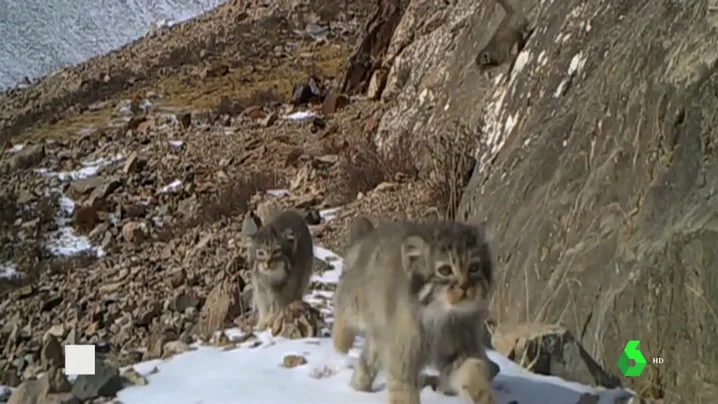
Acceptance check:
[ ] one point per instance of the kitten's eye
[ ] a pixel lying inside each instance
(445, 270)
(261, 254)
(276, 252)
(475, 268)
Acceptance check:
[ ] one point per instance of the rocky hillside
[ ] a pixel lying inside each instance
(591, 164)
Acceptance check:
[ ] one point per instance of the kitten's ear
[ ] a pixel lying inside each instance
(360, 227)
(412, 250)
(250, 225)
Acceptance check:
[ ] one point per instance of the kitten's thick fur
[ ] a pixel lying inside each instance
(418, 293)
(360, 227)
(280, 256)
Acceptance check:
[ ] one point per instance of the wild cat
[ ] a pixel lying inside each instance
(281, 257)
(418, 293)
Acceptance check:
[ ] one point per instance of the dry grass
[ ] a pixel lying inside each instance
(452, 163)
(362, 167)
(231, 201)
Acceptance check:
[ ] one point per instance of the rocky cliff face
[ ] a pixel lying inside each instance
(597, 173)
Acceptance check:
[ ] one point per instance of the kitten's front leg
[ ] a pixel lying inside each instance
(472, 380)
(262, 308)
(367, 368)
(404, 360)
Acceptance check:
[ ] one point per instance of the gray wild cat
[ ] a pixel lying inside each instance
(418, 293)
(280, 256)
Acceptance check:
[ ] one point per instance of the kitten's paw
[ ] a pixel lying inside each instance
(361, 381)
(472, 379)
(403, 396)
(262, 324)
(401, 392)
(479, 394)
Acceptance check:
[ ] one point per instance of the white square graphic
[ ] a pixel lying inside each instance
(79, 360)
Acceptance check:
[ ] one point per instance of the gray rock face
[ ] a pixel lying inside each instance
(597, 172)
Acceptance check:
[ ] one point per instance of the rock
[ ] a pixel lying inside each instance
(550, 350)
(176, 277)
(307, 92)
(131, 164)
(132, 377)
(376, 40)
(292, 361)
(222, 306)
(185, 119)
(596, 171)
(182, 301)
(134, 232)
(55, 381)
(333, 103)
(269, 120)
(52, 353)
(108, 186)
(298, 320)
(51, 388)
(29, 156)
(144, 314)
(85, 218)
(173, 348)
(50, 302)
(58, 331)
(86, 185)
(376, 84)
(9, 376)
(106, 382)
(255, 112)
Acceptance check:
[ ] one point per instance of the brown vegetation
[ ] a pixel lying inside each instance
(452, 162)
(362, 166)
(231, 200)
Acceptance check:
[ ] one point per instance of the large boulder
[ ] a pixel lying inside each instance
(596, 168)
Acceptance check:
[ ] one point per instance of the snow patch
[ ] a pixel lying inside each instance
(89, 169)
(496, 124)
(8, 271)
(577, 63)
(299, 116)
(560, 89)
(329, 214)
(521, 60)
(335, 261)
(278, 192)
(16, 148)
(176, 144)
(171, 187)
(65, 242)
(542, 59)
(574, 68)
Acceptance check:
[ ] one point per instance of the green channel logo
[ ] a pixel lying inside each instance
(631, 352)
